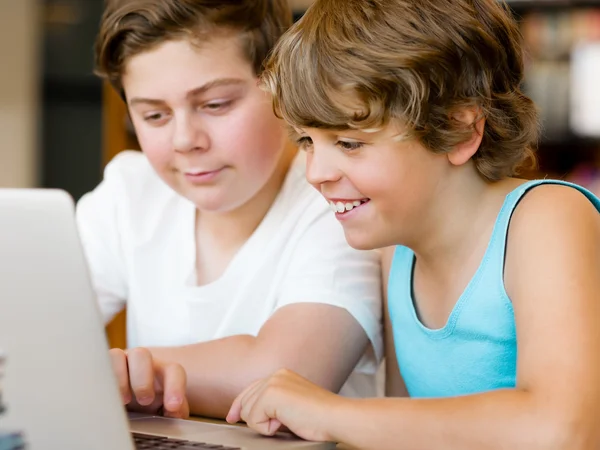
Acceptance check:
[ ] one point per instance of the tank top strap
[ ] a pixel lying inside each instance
(497, 247)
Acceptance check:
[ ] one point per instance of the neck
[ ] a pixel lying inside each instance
(457, 229)
(235, 227)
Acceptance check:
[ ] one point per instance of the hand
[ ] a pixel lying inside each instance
(150, 386)
(286, 399)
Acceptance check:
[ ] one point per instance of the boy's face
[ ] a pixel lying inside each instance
(395, 184)
(202, 121)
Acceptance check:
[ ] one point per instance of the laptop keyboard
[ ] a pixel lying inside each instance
(149, 442)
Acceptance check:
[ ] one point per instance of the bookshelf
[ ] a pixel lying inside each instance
(527, 5)
(560, 38)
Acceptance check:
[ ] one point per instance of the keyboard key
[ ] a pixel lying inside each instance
(151, 442)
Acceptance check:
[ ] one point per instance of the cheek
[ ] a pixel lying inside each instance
(155, 144)
(406, 188)
(391, 186)
(251, 137)
(376, 179)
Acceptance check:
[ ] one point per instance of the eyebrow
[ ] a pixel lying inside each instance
(194, 92)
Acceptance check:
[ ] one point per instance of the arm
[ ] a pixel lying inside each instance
(552, 277)
(328, 310)
(321, 342)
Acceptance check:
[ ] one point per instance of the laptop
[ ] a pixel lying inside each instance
(57, 388)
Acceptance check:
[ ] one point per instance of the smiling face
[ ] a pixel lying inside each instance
(206, 127)
(382, 190)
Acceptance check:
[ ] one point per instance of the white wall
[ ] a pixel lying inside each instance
(19, 106)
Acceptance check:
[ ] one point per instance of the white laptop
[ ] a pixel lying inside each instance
(56, 381)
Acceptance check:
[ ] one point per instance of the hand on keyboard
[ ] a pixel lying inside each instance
(150, 386)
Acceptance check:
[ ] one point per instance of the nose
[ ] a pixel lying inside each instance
(321, 166)
(189, 134)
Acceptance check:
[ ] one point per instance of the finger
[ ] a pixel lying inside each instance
(235, 412)
(185, 409)
(173, 379)
(261, 421)
(274, 426)
(260, 415)
(141, 375)
(119, 363)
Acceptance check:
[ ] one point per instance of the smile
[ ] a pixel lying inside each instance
(343, 206)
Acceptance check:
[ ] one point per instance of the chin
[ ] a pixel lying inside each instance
(217, 203)
(361, 241)
(210, 206)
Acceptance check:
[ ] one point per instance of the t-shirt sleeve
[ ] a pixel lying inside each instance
(98, 217)
(325, 269)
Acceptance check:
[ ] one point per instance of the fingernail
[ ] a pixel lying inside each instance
(175, 401)
(145, 400)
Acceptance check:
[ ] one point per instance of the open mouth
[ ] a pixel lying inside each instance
(342, 207)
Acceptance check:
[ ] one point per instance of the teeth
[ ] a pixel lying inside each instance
(341, 207)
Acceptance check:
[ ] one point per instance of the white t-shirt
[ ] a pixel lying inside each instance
(139, 239)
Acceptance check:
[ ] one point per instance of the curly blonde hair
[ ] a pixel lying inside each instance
(363, 63)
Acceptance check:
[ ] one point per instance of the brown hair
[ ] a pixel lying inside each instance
(130, 27)
(363, 63)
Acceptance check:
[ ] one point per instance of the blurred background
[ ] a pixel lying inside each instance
(59, 124)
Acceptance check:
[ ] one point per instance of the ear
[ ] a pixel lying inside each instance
(471, 117)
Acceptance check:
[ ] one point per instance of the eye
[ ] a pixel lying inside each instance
(154, 118)
(304, 142)
(217, 106)
(349, 145)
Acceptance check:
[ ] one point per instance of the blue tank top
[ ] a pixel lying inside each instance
(476, 351)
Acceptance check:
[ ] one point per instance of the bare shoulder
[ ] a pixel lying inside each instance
(554, 230)
(558, 205)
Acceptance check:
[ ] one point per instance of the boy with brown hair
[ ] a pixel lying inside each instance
(413, 109)
(229, 263)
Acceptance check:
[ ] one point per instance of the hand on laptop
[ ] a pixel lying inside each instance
(150, 386)
(286, 400)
